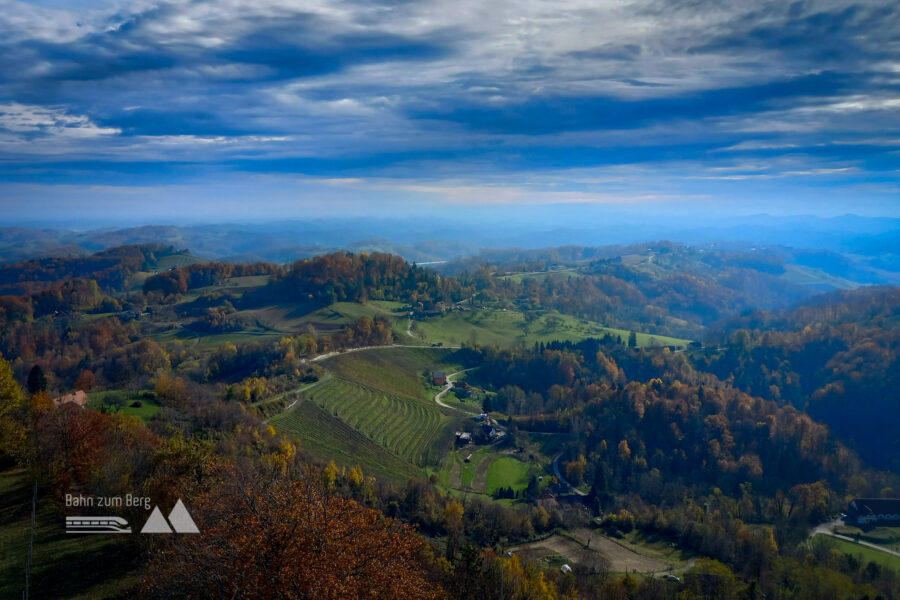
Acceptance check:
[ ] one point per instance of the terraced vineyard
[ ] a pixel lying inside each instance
(406, 427)
(328, 437)
(376, 411)
(397, 371)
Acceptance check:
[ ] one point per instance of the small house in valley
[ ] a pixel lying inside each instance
(78, 398)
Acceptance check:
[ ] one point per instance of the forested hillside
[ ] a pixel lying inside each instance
(229, 383)
(837, 357)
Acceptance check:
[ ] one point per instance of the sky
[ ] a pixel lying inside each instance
(205, 111)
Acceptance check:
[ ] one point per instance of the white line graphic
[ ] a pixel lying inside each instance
(97, 525)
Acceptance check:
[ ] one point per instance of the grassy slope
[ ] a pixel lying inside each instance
(540, 276)
(398, 371)
(163, 264)
(505, 328)
(507, 471)
(329, 438)
(405, 427)
(866, 554)
(888, 537)
(491, 468)
(490, 326)
(816, 277)
(145, 412)
(656, 546)
(64, 566)
(376, 412)
(296, 317)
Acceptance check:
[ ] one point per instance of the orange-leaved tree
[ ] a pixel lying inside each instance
(272, 537)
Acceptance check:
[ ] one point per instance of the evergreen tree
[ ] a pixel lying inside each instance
(632, 340)
(37, 381)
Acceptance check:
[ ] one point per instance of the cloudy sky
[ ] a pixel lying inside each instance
(213, 109)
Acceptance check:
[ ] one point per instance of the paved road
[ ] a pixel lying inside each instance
(447, 388)
(327, 375)
(563, 479)
(827, 529)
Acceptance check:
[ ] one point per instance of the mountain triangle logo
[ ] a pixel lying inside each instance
(180, 520)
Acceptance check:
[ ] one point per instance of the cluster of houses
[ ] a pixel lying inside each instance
(436, 309)
(486, 431)
(462, 389)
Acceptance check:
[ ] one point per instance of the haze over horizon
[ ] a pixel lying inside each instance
(160, 112)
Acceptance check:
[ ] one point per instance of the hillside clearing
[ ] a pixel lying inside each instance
(582, 546)
(510, 327)
(865, 554)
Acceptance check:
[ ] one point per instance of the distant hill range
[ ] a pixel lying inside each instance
(446, 235)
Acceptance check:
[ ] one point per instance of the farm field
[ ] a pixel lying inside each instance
(506, 471)
(563, 273)
(509, 327)
(375, 410)
(295, 318)
(650, 545)
(470, 405)
(496, 326)
(405, 427)
(164, 264)
(490, 468)
(64, 566)
(341, 313)
(585, 546)
(887, 537)
(816, 277)
(145, 411)
(329, 438)
(178, 260)
(395, 370)
(865, 554)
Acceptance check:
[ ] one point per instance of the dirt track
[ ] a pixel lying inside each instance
(621, 558)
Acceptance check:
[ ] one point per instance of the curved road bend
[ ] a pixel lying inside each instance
(563, 479)
(447, 387)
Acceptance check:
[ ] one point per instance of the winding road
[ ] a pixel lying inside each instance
(328, 375)
(563, 479)
(447, 387)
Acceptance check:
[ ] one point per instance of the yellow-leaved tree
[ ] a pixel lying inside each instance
(12, 434)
